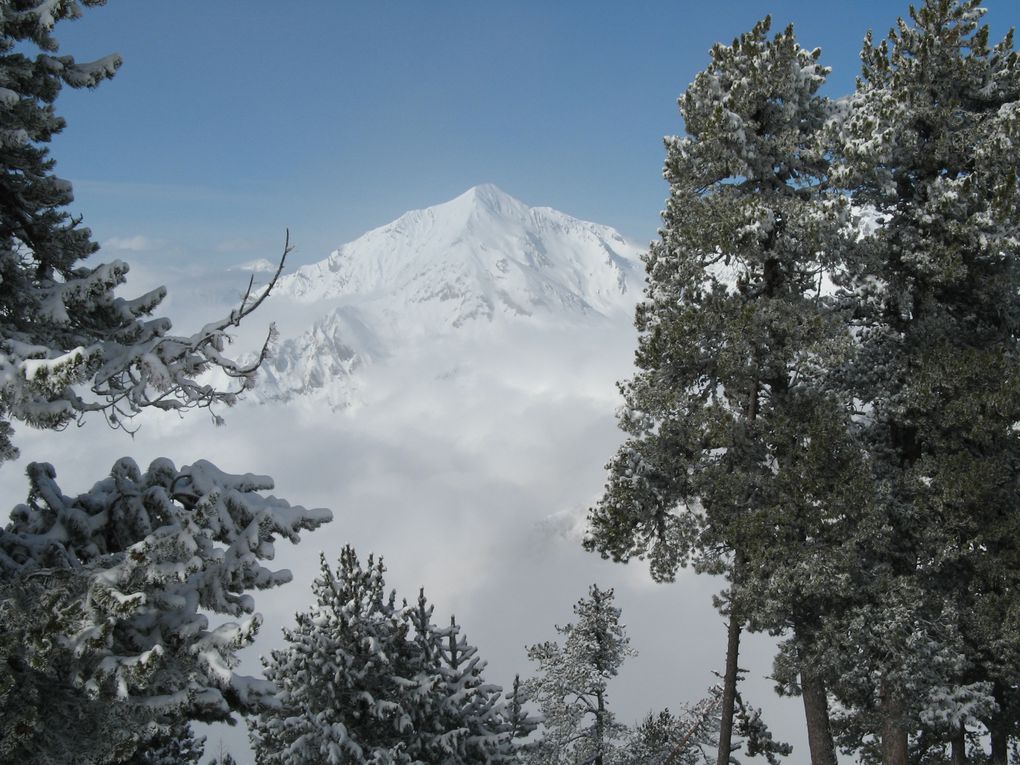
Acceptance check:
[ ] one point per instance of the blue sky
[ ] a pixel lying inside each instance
(231, 121)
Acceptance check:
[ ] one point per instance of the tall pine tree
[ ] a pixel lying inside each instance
(928, 143)
(737, 456)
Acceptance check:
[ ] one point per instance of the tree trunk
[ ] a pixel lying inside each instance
(816, 712)
(998, 729)
(894, 734)
(1000, 742)
(729, 695)
(958, 744)
(600, 728)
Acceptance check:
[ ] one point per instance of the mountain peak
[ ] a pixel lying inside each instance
(481, 254)
(487, 193)
(488, 199)
(479, 260)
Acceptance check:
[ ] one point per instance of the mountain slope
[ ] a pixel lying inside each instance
(460, 268)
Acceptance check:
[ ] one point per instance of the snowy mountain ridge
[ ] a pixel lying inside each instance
(481, 254)
(458, 269)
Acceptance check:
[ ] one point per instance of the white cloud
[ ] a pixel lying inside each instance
(468, 483)
(259, 265)
(136, 243)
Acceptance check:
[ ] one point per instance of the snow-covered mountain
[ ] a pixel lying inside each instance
(460, 269)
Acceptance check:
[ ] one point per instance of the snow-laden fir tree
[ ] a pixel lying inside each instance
(466, 719)
(129, 575)
(68, 344)
(364, 680)
(176, 745)
(737, 455)
(929, 142)
(348, 681)
(42, 714)
(105, 598)
(571, 683)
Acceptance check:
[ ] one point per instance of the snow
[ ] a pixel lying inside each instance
(448, 272)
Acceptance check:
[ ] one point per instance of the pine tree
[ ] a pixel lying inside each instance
(466, 720)
(570, 686)
(364, 680)
(43, 716)
(688, 738)
(737, 455)
(928, 142)
(130, 573)
(176, 745)
(68, 344)
(104, 597)
(348, 679)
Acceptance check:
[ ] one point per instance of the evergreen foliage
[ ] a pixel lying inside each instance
(105, 648)
(688, 738)
(570, 686)
(68, 344)
(175, 745)
(44, 717)
(117, 585)
(724, 419)
(929, 143)
(737, 456)
(827, 388)
(363, 680)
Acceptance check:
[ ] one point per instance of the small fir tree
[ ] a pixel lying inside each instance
(347, 679)
(688, 738)
(363, 680)
(469, 721)
(571, 685)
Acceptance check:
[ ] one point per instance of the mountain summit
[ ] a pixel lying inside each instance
(481, 259)
(478, 256)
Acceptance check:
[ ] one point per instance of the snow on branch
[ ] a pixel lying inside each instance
(156, 553)
(89, 351)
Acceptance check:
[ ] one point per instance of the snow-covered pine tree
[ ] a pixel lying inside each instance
(118, 585)
(348, 678)
(737, 457)
(520, 723)
(467, 720)
(68, 344)
(929, 142)
(570, 687)
(42, 715)
(363, 680)
(101, 593)
(176, 745)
